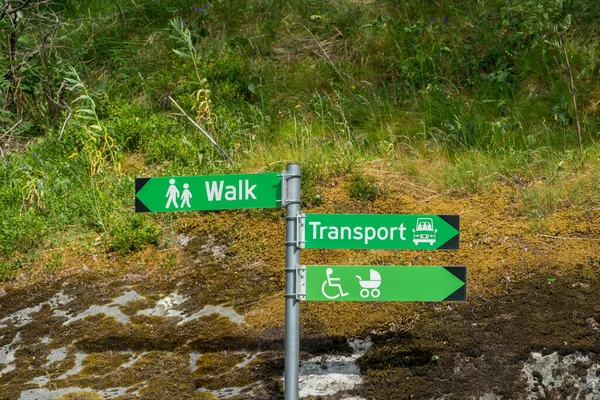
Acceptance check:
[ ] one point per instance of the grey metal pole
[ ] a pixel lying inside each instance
(292, 261)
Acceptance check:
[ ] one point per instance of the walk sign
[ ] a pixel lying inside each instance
(379, 231)
(382, 283)
(216, 192)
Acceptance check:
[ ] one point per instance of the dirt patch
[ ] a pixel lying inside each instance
(472, 349)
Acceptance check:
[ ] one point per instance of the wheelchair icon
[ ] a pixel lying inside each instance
(332, 283)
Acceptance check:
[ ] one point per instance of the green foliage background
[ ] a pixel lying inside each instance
(482, 85)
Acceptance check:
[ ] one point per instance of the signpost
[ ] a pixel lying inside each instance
(291, 183)
(382, 283)
(216, 192)
(380, 231)
(321, 231)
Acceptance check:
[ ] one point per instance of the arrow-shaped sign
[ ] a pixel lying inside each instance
(380, 231)
(382, 283)
(217, 192)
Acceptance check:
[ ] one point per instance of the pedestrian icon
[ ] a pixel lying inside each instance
(372, 284)
(172, 194)
(332, 283)
(186, 196)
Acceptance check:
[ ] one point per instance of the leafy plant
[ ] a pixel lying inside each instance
(540, 201)
(21, 232)
(201, 96)
(9, 269)
(99, 153)
(552, 20)
(30, 64)
(132, 234)
(312, 176)
(365, 188)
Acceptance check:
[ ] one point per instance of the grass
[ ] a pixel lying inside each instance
(459, 97)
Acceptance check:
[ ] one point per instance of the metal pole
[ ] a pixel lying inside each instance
(292, 261)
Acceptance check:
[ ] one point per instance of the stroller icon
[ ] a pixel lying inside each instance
(373, 283)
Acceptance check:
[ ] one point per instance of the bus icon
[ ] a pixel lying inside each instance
(424, 231)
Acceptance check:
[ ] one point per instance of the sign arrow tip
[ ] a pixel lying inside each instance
(452, 244)
(452, 220)
(459, 294)
(140, 183)
(140, 207)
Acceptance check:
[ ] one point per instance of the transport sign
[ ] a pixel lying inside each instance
(216, 192)
(380, 231)
(382, 283)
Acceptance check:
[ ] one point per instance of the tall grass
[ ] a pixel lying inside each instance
(476, 91)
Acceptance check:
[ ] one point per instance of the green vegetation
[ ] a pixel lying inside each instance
(132, 232)
(364, 188)
(456, 95)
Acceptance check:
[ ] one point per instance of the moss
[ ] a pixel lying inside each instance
(99, 333)
(98, 364)
(81, 396)
(403, 353)
(483, 341)
(218, 363)
(218, 370)
(152, 365)
(132, 307)
(245, 271)
(171, 381)
(214, 333)
(205, 396)
(148, 368)
(509, 259)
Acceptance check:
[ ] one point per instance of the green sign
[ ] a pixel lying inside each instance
(217, 192)
(380, 231)
(383, 283)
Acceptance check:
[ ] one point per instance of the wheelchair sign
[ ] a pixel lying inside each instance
(382, 283)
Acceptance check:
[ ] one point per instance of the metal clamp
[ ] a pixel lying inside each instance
(301, 283)
(301, 230)
(300, 241)
(283, 189)
(284, 178)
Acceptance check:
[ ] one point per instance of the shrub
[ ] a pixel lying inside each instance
(132, 234)
(364, 188)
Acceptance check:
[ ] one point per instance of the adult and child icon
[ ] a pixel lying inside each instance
(173, 194)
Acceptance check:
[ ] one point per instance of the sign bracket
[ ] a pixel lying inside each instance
(301, 234)
(284, 188)
(301, 282)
